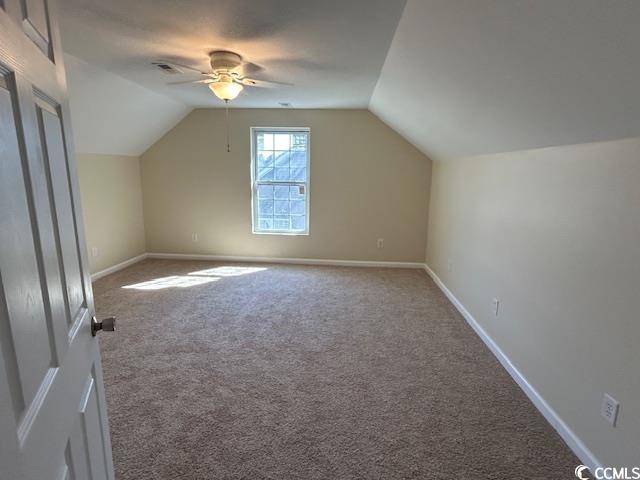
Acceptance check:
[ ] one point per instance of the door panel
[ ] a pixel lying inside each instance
(26, 344)
(53, 418)
(67, 470)
(79, 453)
(86, 458)
(35, 12)
(52, 276)
(70, 464)
(90, 415)
(55, 163)
(36, 23)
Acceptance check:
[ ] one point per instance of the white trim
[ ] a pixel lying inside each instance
(570, 438)
(119, 266)
(299, 261)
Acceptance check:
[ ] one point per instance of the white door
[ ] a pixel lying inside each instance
(53, 418)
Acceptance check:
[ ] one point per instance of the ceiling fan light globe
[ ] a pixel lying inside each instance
(226, 90)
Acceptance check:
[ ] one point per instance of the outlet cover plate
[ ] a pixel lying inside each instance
(609, 409)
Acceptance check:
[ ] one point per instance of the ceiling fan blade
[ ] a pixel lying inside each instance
(181, 65)
(254, 82)
(247, 69)
(204, 80)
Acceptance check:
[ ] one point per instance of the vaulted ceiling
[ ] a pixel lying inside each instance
(455, 77)
(330, 50)
(468, 77)
(114, 116)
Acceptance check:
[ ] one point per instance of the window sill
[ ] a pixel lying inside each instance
(287, 234)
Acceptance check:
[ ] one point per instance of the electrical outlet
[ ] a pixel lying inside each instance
(609, 409)
(381, 243)
(496, 306)
(194, 236)
(94, 251)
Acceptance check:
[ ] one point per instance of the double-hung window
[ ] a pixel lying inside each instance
(280, 177)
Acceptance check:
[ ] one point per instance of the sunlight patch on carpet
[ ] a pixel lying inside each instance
(174, 281)
(229, 271)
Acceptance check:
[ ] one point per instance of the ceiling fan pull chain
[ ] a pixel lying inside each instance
(226, 107)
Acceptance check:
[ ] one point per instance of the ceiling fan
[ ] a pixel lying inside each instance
(228, 75)
(227, 78)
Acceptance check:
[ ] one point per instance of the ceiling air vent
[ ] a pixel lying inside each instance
(285, 104)
(166, 68)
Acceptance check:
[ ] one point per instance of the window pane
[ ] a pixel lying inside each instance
(281, 159)
(282, 174)
(299, 141)
(281, 223)
(265, 223)
(282, 141)
(265, 191)
(298, 174)
(297, 193)
(299, 223)
(281, 191)
(298, 159)
(281, 207)
(265, 207)
(265, 174)
(298, 207)
(265, 141)
(265, 159)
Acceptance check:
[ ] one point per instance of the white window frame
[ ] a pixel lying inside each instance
(255, 182)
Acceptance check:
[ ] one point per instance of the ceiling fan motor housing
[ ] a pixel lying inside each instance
(223, 60)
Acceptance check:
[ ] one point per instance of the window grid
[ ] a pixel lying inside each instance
(280, 176)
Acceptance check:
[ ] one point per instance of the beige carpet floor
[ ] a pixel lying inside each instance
(237, 371)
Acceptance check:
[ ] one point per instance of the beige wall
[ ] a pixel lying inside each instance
(554, 234)
(366, 183)
(112, 208)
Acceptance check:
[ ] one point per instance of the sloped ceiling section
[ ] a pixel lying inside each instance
(330, 51)
(470, 77)
(112, 115)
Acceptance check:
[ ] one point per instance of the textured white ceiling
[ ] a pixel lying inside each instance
(467, 77)
(331, 50)
(111, 115)
(462, 77)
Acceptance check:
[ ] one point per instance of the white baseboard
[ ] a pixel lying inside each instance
(225, 258)
(570, 438)
(119, 266)
(299, 261)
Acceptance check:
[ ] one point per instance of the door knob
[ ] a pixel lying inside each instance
(108, 325)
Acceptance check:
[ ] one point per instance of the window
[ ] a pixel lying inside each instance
(280, 177)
